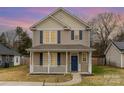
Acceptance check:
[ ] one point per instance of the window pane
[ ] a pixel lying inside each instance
(45, 58)
(46, 35)
(84, 57)
(53, 58)
(53, 37)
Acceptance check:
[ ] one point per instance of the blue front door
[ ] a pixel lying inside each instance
(74, 63)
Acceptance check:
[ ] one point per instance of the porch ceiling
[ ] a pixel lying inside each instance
(59, 47)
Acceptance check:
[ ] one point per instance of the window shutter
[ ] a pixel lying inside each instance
(58, 59)
(80, 34)
(41, 36)
(41, 58)
(58, 37)
(72, 35)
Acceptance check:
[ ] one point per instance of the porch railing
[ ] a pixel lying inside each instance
(52, 69)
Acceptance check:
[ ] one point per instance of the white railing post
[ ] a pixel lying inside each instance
(90, 62)
(66, 62)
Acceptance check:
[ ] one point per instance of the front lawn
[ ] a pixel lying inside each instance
(21, 73)
(104, 75)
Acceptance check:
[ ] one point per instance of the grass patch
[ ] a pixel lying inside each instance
(104, 76)
(21, 73)
(104, 69)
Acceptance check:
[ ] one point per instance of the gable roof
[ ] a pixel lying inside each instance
(118, 45)
(7, 51)
(59, 9)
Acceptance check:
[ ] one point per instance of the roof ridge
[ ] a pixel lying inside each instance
(58, 9)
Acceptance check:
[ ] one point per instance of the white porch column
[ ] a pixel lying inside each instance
(66, 62)
(49, 61)
(90, 62)
(31, 63)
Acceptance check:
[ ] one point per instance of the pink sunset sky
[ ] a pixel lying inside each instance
(25, 17)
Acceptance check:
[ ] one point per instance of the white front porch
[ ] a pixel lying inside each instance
(82, 67)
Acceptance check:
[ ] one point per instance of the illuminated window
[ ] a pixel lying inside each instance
(53, 37)
(50, 37)
(45, 58)
(53, 58)
(46, 37)
(84, 57)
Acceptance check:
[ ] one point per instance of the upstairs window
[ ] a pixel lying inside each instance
(53, 37)
(50, 37)
(46, 37)
(76, 35)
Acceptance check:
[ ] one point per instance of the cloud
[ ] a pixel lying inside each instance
(41, 10)
(23, 22)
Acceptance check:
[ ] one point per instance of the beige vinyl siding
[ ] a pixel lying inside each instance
(66, 38)
(113, 57)
(62, 58)
(36, 38)
(36, 58)
(69, 20)
(50, 24)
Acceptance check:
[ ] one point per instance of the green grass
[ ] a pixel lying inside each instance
(104, 76)
(21, 73)
(104, 70)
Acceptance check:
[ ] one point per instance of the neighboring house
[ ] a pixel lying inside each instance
(8, 57)
(115, 54)
(61, 44)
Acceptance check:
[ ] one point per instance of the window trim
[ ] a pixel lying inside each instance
(49, 35)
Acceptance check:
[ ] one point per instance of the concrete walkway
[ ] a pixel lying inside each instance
(76, 79)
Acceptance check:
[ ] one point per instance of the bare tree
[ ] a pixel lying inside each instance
(120, 34)
(104, 25)
(13, 36)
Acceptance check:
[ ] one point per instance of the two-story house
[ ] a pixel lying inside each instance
(61, 44)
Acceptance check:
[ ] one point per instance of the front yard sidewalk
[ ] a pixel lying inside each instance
(76, 79)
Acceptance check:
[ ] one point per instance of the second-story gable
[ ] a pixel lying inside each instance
(60, 28)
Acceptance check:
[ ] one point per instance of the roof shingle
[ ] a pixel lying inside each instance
(59, 47)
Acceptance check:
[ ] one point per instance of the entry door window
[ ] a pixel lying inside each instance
(84, 57)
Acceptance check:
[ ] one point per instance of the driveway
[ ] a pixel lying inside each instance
(76, 79)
